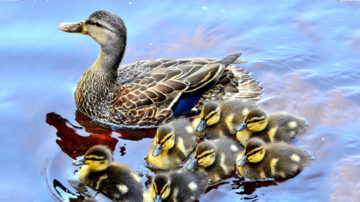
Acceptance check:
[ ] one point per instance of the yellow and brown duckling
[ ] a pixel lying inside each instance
(176, 186)
(275, 127)
(274, 160)
(150, 92)
(116, 181)
(173, 143)
(215, 158)
(218, 119)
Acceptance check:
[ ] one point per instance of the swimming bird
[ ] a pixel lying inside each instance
(176, 186)
(274, 127)
(215, 158)
(218, 119)
(148, 93)
(114, 180)
(173, 143)
(274, 160)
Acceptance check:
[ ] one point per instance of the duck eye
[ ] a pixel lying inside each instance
(93, 23)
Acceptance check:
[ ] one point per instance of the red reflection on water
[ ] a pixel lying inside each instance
(72, 143)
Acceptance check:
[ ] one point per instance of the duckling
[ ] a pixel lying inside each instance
(275, 127)
(273, 160)
(149, 93)
(176, 186)
(218, 119)
(173, 143)
(116, 181)
(215, 158)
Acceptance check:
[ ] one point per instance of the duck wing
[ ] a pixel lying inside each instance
(148, 89)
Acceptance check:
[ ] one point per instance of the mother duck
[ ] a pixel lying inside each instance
(147, 93)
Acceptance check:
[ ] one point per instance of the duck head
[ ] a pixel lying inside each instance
(97, 158)
(104, 27)
(164, 139)
(160, 188)
(254, 152)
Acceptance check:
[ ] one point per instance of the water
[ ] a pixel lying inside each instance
(306, 55)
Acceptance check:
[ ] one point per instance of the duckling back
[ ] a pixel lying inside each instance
(226, 151)
(189, 185)
(118, 182)
(232, 115)
(281, 160)
(185, 144)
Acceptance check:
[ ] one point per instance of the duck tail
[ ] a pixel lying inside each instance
(228, 59)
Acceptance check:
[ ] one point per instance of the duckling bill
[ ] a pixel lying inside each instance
(116, 181)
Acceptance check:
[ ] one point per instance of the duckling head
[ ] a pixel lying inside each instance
(210, 115)
(254, 152)
(97, 158)
(164, 140)
(160, 187)
(256, 120)
(204, 156)
(103, 26)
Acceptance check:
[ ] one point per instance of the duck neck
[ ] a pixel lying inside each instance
(95, 87)
(107, 63)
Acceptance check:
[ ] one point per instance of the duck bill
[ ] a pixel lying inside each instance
(157, 150)
(242, 161)
(192, 164)
(158, 198)
(79, 162)
(241, 127)
(201, 127)
(73, 27)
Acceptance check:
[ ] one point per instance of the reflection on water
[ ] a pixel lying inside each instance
(73, 144)
(306, 56)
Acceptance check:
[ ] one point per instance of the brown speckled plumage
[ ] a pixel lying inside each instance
(142, 94)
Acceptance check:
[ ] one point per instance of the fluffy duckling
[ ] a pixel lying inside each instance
(173, 143)
(216, 158)
(116, 181)
(221, 119)
(273, 160)
(176, 186)
(276, 127)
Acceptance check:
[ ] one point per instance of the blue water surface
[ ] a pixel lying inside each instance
(306, 54)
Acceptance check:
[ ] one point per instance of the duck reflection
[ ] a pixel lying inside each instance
(76, 145)
(124, 133)
(71, 142)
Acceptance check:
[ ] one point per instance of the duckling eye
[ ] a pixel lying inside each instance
(205, 155)
(94, 159)
(256, 120)
(164, 189)
(210, 116)
(167, 138)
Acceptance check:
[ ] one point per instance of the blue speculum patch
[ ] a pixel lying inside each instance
(185, 105)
